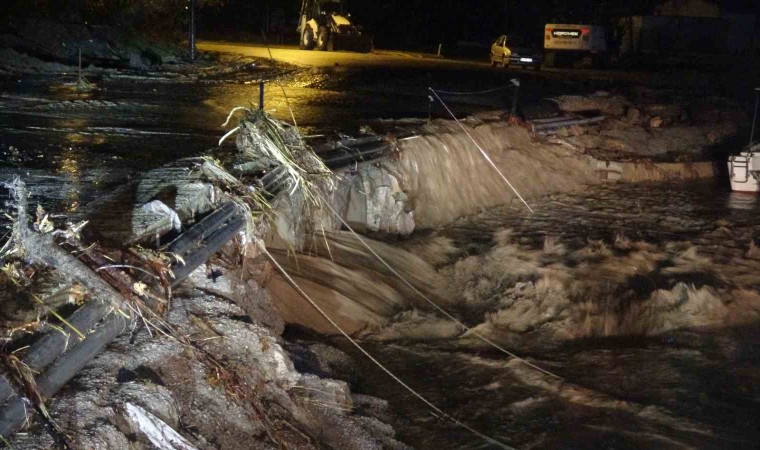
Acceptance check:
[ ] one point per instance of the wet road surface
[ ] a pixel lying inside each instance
(137, 121)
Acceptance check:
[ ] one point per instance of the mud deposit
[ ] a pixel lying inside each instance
(643, 298)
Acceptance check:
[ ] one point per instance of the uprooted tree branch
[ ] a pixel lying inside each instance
(79, 335)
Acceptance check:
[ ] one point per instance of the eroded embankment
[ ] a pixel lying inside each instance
(201, 363)
(439, 176)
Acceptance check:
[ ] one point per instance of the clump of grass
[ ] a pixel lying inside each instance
(262, 137)
(279, 146)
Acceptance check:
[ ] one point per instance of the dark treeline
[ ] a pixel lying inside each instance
(146, 18)
(406, 24)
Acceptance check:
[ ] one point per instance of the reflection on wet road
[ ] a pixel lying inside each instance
(133, 122)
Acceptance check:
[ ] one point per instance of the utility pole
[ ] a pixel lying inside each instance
(192, 30)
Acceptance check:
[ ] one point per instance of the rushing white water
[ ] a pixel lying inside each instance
(446, 177)
(355, 289)
(643, 298)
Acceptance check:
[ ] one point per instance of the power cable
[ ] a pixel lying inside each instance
(372, 358)
(483, 152)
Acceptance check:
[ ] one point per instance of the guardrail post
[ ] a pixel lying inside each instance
(261, 95)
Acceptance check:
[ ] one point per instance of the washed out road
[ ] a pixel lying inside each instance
(134, 122)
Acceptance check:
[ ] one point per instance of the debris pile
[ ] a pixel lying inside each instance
(654, 127)
(177, 286)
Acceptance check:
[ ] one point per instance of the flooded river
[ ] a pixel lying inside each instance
(637, 370)
(75, 146)
(653, 319)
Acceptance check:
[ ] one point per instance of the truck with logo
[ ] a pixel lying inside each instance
(565, 44)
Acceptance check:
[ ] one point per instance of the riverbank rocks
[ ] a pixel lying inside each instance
(214, 394)
(604, 102)
(652, 124)
(378, 203)
(54, 45)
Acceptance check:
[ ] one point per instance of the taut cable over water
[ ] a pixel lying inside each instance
(372, 358)
(434, 305)
(403, 279)
(342, 332)
(482, 151)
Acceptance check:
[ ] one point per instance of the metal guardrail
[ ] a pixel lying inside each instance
(545, 125)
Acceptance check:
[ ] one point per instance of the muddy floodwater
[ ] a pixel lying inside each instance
(621, 387)
(74, 146)
(652, 325)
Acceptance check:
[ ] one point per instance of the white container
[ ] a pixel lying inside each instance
(744, 171)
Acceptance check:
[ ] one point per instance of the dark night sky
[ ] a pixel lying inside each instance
(424, 23)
